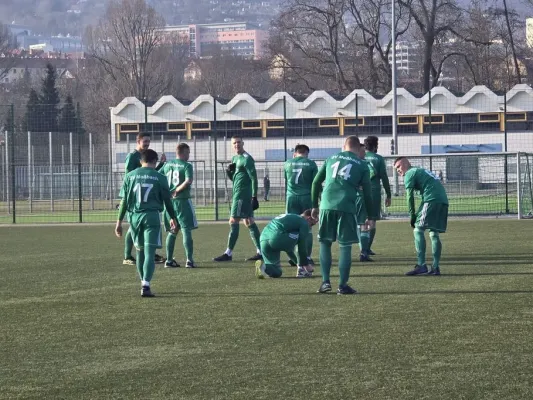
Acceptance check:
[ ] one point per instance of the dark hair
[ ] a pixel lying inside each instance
(306, 213)
(398, 159)
(142, 135)
(301, 148)
(236, 137)
(149, 156)
(182, 147)
(371, 143)
(352, 141)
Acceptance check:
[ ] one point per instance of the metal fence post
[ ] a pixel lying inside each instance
(215, 134)
(505, 149)
(356, 113)
(30, 186)
(430, 131)
(80, 193)
(51, 169)
(518, 187)
(110, 168)
(91, 170)
(71, 148)
(210, 164)
(13, 192)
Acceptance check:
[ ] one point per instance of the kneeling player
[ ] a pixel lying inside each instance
(283, 233)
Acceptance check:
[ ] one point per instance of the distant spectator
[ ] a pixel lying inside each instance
(266, 185)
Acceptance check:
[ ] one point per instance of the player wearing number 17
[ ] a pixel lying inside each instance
(344, 175)
(179, 174)
(143, 193)
(432, 213)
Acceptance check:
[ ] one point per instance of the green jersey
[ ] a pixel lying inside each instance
(343, 175)
(177, 171)
(380, 176)
(427, 184)
(133, 161)
(145, 190)
(299, 173)
(294, 226)
(245, 177)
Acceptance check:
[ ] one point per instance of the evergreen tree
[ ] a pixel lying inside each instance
(69, 120)
(50, 101)
(33, 118)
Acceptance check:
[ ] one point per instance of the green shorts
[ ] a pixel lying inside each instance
(432, 216)
(298, 204)
(360, 211)
(337, 226)
(241, 207)
(185, 214)
(271, 250)
(145, 229)
(376, 204)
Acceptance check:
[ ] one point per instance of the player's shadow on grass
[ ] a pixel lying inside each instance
(360, 293)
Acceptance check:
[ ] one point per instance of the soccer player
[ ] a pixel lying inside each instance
(432, 213)
(179, 174)
(242, 173)
(283, 233)
(343, 175)
(364, 226)
(143, 193)
(380, 177)
(299, 175)
(132, 162)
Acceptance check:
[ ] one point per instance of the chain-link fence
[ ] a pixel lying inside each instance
(479, 145)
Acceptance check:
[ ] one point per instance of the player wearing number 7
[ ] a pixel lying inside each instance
(143, 193)
(432, 213)
(299, 174)
(179, 174)
(344, 175)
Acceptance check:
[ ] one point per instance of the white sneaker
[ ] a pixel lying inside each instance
(260, 271)
(302, 273)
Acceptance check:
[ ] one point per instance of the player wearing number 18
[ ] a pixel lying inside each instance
(143, 193)
(343, 175)
(179, 174)
(432, 213)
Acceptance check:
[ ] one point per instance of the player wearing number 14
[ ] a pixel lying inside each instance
(179, 174)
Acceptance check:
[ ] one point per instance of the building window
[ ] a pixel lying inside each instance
(176, 126)
(359, 121)
(278, 123)
(201, 126)
(129, 128)
(515, 117)
(328, 122)
(408, 120)
(488, 117)
(435, 119)
(251, 124)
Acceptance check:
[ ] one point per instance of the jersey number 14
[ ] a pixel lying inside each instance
(344, 172)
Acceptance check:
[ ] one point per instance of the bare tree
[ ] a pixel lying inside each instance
(131, 48)
(6, 60)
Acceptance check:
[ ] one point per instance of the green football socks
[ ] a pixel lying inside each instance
(149, 263)
(128, 244)
(345, 263)
(233, 236)
(310, 243)
(420, 245)
(140, 263)
(372, 233)
(170, 244)
(364, 240)
(188, 243)
(255, 235)
(436, 248)
(325, 260)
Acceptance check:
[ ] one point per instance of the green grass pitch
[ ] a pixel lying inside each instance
(73, 325)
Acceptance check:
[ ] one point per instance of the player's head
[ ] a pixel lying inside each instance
(402, 165)
(143, 141)
(352, 144)
(238, 144)
(371, 143)
(361, 153)
(183, 151)
(148, 158)
(309, 218)
(301, 150)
